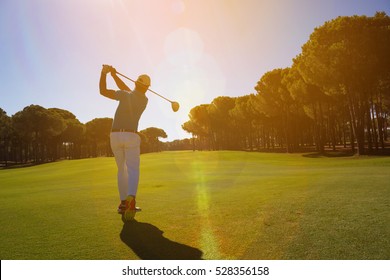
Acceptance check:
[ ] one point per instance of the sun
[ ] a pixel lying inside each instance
(191, 74)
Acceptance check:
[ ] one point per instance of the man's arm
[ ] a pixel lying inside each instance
(120, 84)
(103, 85)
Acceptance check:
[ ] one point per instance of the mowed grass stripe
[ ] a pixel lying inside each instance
(228, 205)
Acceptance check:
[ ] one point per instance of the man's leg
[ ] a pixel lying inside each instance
(132, 155)
(118, 149)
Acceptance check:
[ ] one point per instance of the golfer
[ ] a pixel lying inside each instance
(125, 142)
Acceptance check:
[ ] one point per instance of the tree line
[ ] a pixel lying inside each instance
(336, 93)
(36, 134)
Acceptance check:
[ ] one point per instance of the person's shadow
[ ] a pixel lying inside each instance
(148, 242)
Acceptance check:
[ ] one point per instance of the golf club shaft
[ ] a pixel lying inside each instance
(148, 88)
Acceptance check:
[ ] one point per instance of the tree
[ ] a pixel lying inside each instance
(5, 135)
(348, 57)
(98, 137)
(152, 135)
(69, 141)
(243, 118)
(277, 103)
(313, 101)
(199, 126)
(194, 129)
(221, 128)
(37, 126)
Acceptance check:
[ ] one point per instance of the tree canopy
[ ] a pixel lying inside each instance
(36, 134)
(335, 93)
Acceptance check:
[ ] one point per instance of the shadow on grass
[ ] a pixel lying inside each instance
(21, 165)
(148, 242)
(329, 154)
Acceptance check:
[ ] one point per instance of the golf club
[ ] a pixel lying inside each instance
(175, 105)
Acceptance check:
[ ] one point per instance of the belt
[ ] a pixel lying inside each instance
(123, 130)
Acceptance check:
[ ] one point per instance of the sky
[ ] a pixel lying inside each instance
(52, 51)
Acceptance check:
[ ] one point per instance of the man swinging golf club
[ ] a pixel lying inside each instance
(125, 142)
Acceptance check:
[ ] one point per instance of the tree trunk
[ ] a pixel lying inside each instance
(357, 123)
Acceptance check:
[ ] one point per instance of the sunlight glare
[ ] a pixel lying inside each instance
(178, 7)
(183, 47)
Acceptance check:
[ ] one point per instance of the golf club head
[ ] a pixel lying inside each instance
(175, 106)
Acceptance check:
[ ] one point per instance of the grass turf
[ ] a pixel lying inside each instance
(209, 205)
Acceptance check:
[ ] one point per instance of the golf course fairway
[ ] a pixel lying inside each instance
(200, 205)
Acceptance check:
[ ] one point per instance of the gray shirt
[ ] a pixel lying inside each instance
(130, 108)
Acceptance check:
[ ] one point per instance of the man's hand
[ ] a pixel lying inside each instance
(109, 69)
(113, 71)
(106, 69)
(103, 85)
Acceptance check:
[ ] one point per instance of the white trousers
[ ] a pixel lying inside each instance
(126, 149)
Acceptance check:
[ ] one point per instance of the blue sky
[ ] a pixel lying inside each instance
(194, 50)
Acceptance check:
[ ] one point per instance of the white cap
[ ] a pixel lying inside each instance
(144, 80)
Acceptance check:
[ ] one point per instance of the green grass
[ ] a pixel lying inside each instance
(213, 205)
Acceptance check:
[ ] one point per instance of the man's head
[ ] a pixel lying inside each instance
(142, 83)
